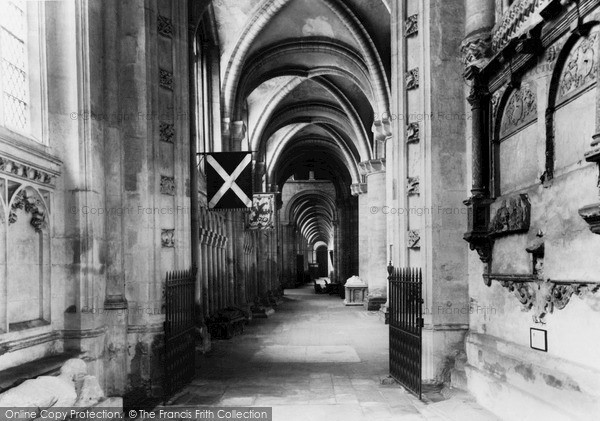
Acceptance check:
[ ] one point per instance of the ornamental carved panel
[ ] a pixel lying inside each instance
(166, 79)
(411, 25)
(581, 67)
(414, 239)
(543, 297)
(29, 203)
(167, 132)
(513, 216)
(413, 185)
(167, 185)
(413, 132)
(14, 168)
(520, 110)
(513, 20)
(164, 26)
(412, 79)
(167, 238)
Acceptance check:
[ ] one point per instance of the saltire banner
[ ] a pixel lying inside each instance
(229, 180)
(262, 214)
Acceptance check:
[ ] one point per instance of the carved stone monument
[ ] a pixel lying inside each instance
(356, 292)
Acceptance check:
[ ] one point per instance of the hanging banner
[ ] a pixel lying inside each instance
(229, 180)
(262, 214)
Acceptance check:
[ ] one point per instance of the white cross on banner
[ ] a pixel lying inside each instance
(229, 180)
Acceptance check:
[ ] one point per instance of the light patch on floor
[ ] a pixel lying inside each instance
(307, 354)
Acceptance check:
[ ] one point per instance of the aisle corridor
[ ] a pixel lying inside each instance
(314, 359)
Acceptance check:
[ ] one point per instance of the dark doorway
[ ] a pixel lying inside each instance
(322, 257)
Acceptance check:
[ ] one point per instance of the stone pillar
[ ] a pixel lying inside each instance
(204, 269)
(372, 227)
(360, 191)
(214, 251)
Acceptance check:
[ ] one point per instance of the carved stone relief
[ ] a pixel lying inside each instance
(581, 68)
(512, 21)
(476, 49)
(414, 239)
(164, 26)
(543, 297)
(413, 185)
(30, 204)
(166, 79)
(413, 132)
(167, 132)
(15, 168)
(167, 238)
(513, 216)
(495, 101)
(167, 185)
(521, 109)
(412, 79)
(411, 25)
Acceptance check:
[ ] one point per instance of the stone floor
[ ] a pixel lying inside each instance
(315, 359)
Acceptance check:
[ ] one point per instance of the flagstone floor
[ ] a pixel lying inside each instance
(315, 359)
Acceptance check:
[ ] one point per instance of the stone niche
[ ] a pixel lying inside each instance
(27, 259)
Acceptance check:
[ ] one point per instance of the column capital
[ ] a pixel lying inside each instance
(476, 49)
(358, 189)
(372, 166)
(382, 128)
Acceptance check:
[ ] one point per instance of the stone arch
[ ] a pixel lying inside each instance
(509, 100)
(347, 157)
(287, 211)
(587, 29)
(259, 21)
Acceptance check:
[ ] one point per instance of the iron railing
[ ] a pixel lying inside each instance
(406, 323)
(180, 346)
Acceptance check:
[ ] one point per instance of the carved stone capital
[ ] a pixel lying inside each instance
(358, 189)
(382, 129)
(476, 49)
(238, 130)
(373, 166)
(478, 93)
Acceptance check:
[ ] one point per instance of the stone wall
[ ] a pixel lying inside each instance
(541, 268)
(109, 183)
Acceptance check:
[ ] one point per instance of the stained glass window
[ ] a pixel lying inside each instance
(13, 65)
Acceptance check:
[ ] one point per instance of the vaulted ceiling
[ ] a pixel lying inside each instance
(307, 78)
(305, 71)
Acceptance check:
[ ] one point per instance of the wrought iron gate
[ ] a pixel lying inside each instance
(180, 345)
(406, 322)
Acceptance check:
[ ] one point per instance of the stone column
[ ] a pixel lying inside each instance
(204, 269)
(360, 191)
(372, 226)
(214, 280)
(476, 50)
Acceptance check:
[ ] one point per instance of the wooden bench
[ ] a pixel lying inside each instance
(226, 323)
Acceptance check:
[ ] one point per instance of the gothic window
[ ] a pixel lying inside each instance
(13, 52)
(21, 79)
